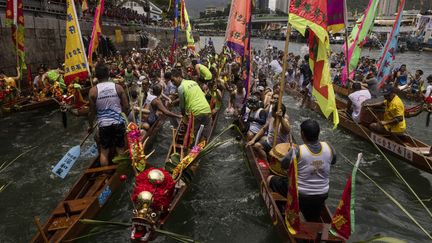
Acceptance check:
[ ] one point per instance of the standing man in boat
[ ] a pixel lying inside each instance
(193, 101)
(394, 114)
(204, 74)
(313, 163)
(356, 99)
(107, 101)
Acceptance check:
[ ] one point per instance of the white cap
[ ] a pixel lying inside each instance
(142, 78)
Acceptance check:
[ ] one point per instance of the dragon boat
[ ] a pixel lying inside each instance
(90, 193)
(405, 147)
(158, 191)
(275, 202)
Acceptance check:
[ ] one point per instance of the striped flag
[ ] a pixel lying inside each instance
(97, 30)
(343, 220)
(358, 37)
(312, 15)
(388, 54)
(15, 20)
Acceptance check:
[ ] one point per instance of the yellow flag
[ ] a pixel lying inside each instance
(76, 65)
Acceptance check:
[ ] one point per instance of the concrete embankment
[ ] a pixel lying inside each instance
(45, 40)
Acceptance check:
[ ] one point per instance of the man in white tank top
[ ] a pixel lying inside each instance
(107, 101)
(313, 163)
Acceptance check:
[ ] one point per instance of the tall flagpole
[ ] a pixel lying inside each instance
(346, 37)
(282, 82)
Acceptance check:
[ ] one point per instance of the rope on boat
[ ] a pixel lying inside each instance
(390, 197)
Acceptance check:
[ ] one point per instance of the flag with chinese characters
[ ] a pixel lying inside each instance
(358, 37)
(388, 54)
(343, 220)
(15, 19)
(76, 65)
(312, 15)
(336, 15)
(97, 30)
(236, 34)
(186, 26)
(292, 210)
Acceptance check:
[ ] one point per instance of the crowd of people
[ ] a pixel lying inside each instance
(148, 84)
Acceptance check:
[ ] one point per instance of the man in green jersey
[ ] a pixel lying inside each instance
(204, 74)
(193, 101)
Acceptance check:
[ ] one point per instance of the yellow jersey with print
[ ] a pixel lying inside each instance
(393, 109)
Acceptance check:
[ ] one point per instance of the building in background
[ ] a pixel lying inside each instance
(282, 5)
(262, 4)
(155, 12)
(210, 10)
(387, 8)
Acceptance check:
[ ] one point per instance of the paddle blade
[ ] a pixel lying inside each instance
(64, 119)
(62, 168)
(428, 118)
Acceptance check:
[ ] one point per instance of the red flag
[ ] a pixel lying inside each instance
(292, 211)
(97, 30)
(343, 221)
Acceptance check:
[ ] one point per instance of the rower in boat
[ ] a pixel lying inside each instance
(204, 74)
(313, 162)
(193, 101)
(428, 93)
(256, 118)
(156, 106)
(415, 84)
(263, 144)
(372, 84)
(402, 77)
(107, 101)
(356, 99)
(394, 118)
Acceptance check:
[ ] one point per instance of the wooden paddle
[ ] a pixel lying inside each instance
(62, 168)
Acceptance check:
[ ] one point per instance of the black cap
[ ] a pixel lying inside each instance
(388, 90)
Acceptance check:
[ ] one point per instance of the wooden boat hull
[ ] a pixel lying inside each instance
(86, 198)
(404, 147)
(309, 231)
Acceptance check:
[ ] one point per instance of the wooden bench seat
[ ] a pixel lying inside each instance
(75, 206)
